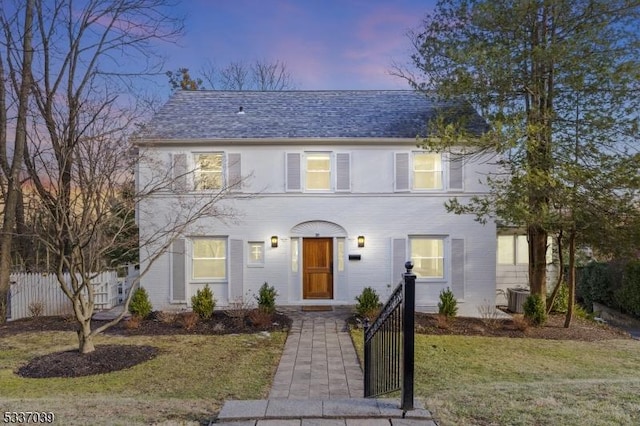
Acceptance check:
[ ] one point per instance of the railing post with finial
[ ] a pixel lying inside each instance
(408, 333)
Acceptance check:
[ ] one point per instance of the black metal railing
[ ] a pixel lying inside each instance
(389, 345)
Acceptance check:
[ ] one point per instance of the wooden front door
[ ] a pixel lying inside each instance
(317, 272)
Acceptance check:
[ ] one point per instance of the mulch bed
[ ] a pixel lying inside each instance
(105, 359)
(580, 328)
(108, 358)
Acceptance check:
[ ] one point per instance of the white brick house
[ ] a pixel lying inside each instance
(340, 198)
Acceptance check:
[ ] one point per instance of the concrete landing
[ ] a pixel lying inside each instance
(348, 412)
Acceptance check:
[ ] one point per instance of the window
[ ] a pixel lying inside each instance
(513, 250)
(256, 253)
(340, 242)
(209, 258)
(295, 247)
(318, 171)
(427, 255)
(208, 171)
(427, 171)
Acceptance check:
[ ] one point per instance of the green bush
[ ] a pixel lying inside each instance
(266, 298)
(534, 310)
(140, 304)
(561, 302)
(203, 303)
(628, 296)
(368, 302)
(448, 305)
(595, 285)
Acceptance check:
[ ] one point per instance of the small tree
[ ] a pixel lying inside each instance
(203, 303)
(266, 298)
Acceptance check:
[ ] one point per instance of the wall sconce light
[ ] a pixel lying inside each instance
(360, 240)
(274, 241)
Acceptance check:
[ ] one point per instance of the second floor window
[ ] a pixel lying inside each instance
(427, 170)
(209, 171)
(318, 171)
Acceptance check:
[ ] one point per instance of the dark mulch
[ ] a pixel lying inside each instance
(105, 359)
(108, 358)
(580, 328)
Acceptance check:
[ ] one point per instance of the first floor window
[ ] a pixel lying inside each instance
(427, 255)
(209, 258)
(256, 253)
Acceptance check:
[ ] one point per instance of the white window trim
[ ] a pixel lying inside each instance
(446, 254)
(192, 279)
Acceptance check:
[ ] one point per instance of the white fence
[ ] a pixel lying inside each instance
(31, 292)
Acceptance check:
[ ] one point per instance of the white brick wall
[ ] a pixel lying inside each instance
(371, 209)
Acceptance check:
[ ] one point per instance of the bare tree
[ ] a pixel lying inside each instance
(77, 155)
(16, 84)
(260, 75)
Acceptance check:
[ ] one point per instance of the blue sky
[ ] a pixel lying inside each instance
(326, 44)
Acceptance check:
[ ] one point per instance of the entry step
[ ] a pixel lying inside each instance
(294, 412)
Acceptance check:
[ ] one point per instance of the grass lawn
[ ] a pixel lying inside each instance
(467, 380)
(185, 384)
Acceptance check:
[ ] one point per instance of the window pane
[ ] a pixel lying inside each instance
(256, 252)
(209, 268)
(294, 255)
(209, 171)
(318, 171)
(340, 254)
(427, 171)
(427, 180)
(505, 250)
(522, 250)
(318, 180)
(427, 255)
(209, 248)
(209, 258)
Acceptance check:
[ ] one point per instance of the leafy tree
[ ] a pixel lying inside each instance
(181, 80)
(557, 84)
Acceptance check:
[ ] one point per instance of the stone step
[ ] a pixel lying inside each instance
(303, 412)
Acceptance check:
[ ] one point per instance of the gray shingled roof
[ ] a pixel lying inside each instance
(295, 114)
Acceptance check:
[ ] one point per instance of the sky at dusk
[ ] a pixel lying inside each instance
(326, 44)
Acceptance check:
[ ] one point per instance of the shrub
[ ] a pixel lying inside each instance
(36, 309)
(260, 318)
(140, 304)
(203, 303)
(166, 317)
(534, 310)
(133, 322)
(628, 296)
(520, 322)
(266, 298)
(189, 320)
(595, 284)
(368, 302)
(448, 305)
(561, 302)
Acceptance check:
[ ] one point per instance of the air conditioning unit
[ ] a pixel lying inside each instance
(516, 298)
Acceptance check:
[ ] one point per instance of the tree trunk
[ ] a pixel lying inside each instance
(554, 294)
(85, 338)
(538, 261)
(12, 172)
(572, 278)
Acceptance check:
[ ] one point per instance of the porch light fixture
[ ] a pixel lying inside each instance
(360, 240)
(274, 241)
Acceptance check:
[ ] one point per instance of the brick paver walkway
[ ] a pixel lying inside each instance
(319, 360)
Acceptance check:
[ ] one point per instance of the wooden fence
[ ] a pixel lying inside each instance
(41, 294)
